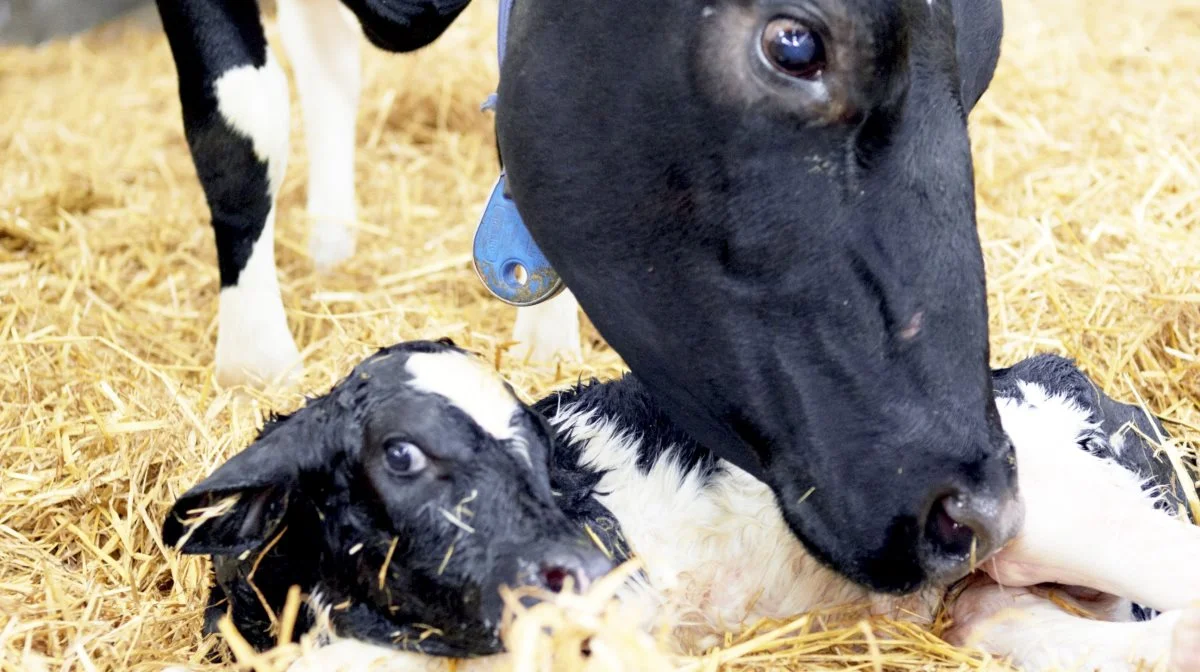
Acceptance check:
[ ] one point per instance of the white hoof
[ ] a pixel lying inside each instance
(1185, 643)
(332, 241)
(548, 331)
(254, 346)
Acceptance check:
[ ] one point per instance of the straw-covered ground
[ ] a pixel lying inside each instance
(1088, 167)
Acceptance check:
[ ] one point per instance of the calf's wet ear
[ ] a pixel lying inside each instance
(240, 506)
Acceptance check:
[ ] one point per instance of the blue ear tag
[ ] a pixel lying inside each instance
(507, 260)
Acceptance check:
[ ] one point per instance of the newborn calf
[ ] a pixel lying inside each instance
(399, 502)
(715, 546)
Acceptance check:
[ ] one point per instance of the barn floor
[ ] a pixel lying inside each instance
(1088, 169)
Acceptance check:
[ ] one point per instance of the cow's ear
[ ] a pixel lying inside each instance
(979, 28)
(240, 506)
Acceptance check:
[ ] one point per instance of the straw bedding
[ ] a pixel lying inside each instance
(1088, 169)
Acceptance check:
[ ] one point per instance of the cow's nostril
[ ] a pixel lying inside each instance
(952, 527)
(963, 530)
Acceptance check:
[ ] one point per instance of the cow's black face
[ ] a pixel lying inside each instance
(766, 207)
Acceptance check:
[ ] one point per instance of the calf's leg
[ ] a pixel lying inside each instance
(323, 39)
(235, 116)
(1037, 634)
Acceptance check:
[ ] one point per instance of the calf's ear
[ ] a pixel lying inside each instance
(240, 506)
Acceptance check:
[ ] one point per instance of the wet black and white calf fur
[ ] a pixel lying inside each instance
(399, 503)
(236, 117)
(717, 552)
(714, 545)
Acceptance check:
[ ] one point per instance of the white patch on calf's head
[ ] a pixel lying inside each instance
(468, 384)
(1046, 428)
(913, 328)
(1042, 417)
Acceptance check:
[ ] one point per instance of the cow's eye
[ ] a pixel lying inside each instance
(404, 458)
(793, 48)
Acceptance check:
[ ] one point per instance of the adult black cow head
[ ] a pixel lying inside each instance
(767, 208)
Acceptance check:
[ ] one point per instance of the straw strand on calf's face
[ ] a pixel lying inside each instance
(400, 507)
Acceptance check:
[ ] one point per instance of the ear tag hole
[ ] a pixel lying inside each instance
(507, 259)
(516, 274)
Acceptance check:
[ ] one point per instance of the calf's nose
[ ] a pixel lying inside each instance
(575, 569)
(963, 529)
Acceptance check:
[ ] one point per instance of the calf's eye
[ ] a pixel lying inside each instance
(793, 49)
(403, 458)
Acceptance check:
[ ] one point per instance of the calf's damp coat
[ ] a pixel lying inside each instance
(415, 560)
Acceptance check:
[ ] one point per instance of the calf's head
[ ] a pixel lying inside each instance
(404, 499)
(1066, 400)
(766, 207)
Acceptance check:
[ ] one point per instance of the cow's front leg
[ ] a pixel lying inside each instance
(1088, 523)
(323, 39)
(1037, 634)
(548, 330)
(235, 116)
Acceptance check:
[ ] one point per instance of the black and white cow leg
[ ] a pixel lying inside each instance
(1037, 634)
(235, 115)
(323, 42)
(548, 331)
